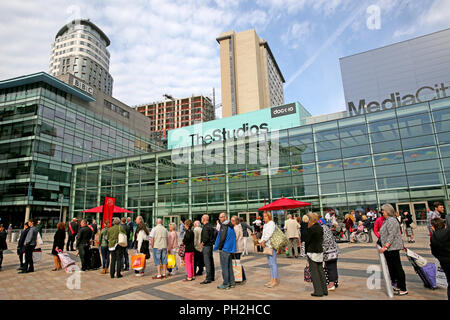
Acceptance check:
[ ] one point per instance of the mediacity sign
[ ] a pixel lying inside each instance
(395, 99)
(239, 126)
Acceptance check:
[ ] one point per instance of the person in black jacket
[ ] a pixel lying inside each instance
(72, 231)
(3, 245)
(58, 243)
(94, 228)
(21, 245)
(314, 247)
(209, 234)
(303, 233)
(188, 241)
(83, 244)
(440, 247)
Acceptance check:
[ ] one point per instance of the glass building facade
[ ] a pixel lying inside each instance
(399, 156)
(45, 127)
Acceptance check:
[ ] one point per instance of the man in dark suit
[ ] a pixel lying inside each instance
(83, 243)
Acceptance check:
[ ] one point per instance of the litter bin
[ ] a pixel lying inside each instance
(14, 236)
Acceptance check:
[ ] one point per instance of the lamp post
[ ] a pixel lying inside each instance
(60, 199)
(171, 114)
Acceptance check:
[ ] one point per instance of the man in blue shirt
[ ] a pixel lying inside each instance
(226, 244)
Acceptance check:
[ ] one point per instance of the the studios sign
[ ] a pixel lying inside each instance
(425, 93)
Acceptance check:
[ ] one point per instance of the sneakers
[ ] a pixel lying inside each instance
(222, 287)
(332, 288)
(157, 277)
(401, 293)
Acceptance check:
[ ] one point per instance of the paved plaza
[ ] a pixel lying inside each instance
(353, 263)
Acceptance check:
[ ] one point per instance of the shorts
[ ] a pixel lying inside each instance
(160, 256)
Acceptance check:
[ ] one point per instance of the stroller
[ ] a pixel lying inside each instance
(339, 233)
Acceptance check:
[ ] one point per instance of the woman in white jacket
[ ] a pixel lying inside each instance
(142, 238)
(268, 229)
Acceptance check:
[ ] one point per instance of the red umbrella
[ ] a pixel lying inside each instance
(116, 210)
(283, 204)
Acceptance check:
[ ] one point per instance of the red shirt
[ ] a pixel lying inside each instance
(377, 227)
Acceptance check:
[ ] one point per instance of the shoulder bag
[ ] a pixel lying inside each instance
(278, 240)
(122, 239)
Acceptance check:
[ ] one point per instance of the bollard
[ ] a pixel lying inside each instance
(14, 237)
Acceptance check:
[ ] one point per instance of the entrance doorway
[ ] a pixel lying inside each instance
(248, 217)
(171, 219)
(418, 210)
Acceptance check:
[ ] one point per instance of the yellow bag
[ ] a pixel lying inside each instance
(171, 261)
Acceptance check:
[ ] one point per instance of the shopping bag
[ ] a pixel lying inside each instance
(237, 270)
(37, 255)
(39, 240)
(441, 279)
(138, 261)
(171, 261)
(65, 259)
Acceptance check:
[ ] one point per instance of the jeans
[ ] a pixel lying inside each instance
(245, 246)
(105, 257)
(28, 266)
(272, 261)
(293, 244)
(21, 261)
(318, 278)
(227, 268)
(116, 261)
(395, 268)
(331, 266)
(198, 262)
(189, 259)
(208, 259)
(237, 256)
(1, 257)
(84, 257)
(126, 260)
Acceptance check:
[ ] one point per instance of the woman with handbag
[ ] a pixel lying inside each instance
(188, 241)
(58, 243)
(237, 226)
(143, 245)
(314, 252)
(330, 257)
(268, 230)
(392, 242)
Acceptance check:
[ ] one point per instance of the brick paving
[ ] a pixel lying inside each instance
(352, 265)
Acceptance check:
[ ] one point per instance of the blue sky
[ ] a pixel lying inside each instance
(162, 47)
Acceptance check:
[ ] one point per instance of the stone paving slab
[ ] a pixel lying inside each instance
(352, 265)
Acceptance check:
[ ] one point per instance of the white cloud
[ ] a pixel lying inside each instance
(297, 34)
(325, 7)
(436, 17)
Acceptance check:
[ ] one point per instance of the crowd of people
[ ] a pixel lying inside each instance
(307, 236)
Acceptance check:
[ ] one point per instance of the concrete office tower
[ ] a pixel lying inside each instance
(80, 49)
(250, 76)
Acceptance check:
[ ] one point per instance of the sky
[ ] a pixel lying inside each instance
(162, 46)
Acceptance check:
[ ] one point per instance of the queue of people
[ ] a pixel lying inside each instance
(309, 235)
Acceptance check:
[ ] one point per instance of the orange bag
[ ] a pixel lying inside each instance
(138, 261)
